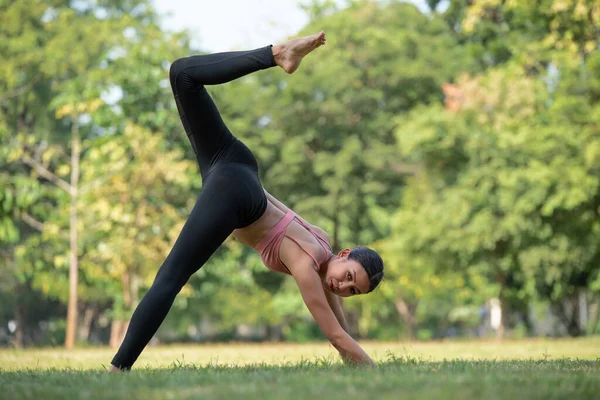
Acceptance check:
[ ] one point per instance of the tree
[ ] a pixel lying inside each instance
(334, 116)
(501, 198)
(67, 58)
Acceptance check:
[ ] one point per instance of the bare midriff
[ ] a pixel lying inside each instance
(253, 233)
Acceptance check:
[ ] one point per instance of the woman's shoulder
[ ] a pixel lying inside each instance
(316, 229)
(295, 254)
(321, 232)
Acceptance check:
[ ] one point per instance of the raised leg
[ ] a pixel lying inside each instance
(199, 115)
(203, 124)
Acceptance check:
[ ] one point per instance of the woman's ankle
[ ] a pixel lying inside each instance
(277, 51)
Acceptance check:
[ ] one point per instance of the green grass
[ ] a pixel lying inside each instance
(533, 369)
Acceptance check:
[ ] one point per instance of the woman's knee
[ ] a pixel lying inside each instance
(170, 280)
(176, 69)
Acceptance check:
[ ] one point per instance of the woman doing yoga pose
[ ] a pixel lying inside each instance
(233, 201)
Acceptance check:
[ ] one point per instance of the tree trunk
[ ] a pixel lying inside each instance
(504, 315)
(572, 317)
(117, 332)
(118, 329)
(593, 315)
(568, 312)
(273, 333)
(407, 312)
(125, 284)
(583, 310)
(352, 320)
(18, 340)
(86, 323)
(73, 256)
(504, 309)
(527, 320)
(336, 245)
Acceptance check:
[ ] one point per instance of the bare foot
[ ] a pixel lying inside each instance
(114, 369)
(289, 54)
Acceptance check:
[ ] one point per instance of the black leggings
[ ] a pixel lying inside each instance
(231, 197)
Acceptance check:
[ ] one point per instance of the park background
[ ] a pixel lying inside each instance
(460, 139)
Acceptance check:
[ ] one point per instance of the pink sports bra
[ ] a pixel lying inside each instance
(269, 245)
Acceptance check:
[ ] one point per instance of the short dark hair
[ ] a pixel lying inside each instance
(372, 263)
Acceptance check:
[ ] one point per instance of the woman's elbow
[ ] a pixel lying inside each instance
(337, 338)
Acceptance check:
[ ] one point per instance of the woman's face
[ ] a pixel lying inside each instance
(346, 277)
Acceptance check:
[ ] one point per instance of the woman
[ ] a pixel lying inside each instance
(232, 200)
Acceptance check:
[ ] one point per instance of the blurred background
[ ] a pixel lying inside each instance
(459, 138)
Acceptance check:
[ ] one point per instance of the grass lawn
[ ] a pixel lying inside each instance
(531, 369)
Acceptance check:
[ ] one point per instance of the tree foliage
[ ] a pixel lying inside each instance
(461, 144)
(496, 194)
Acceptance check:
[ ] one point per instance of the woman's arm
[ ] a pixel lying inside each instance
(313, 295)
(335, 302)
(275, 202)
(282, 206)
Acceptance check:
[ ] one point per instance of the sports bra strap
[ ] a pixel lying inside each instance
(320, 240)
(269, 245)
(279, 227)
(303, 249)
